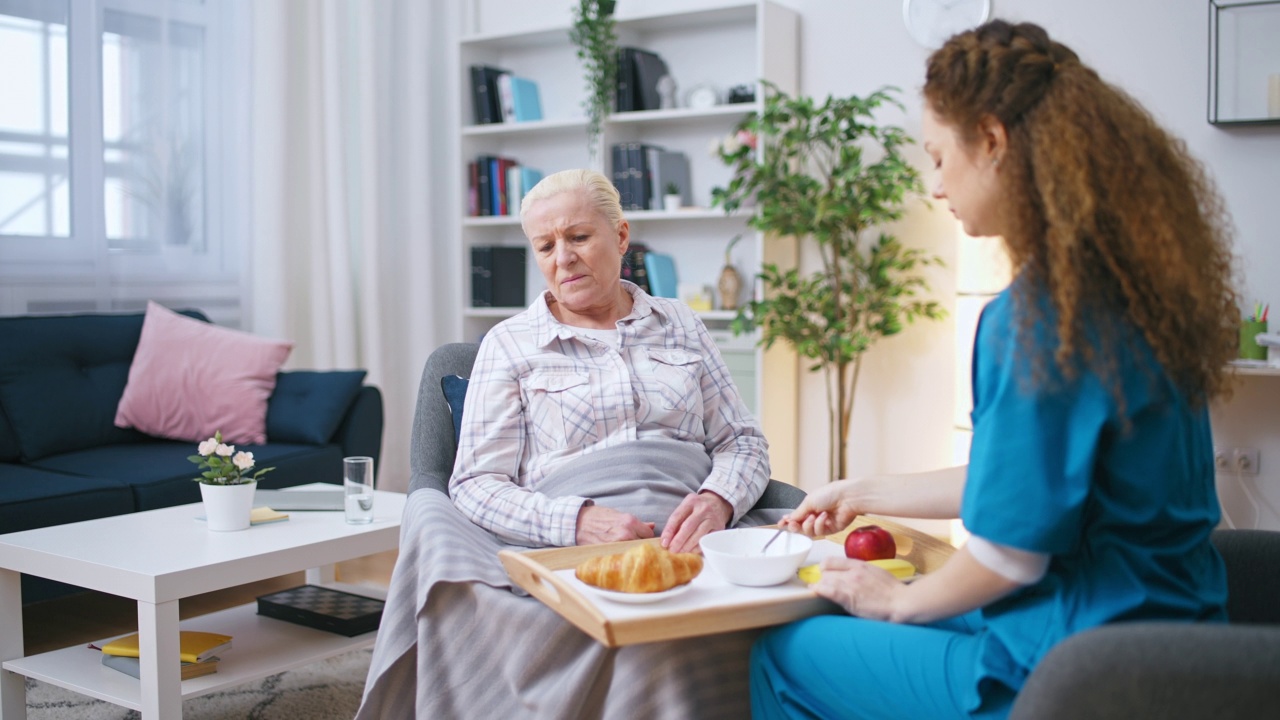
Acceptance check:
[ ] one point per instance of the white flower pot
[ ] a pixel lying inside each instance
(671, 203)
(227, 507)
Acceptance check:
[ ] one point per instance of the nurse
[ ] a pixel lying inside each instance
(1089, 492)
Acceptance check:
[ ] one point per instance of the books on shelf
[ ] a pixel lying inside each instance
(484, 94)
(498, 276)
(494, 189)
(661, 269)
(633, 265)
(518, 98)
(324, 608)
(639, 71)
(193, 646)
(132, 666)
(663, 167)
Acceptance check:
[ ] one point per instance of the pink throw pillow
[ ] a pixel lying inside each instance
(190, 379)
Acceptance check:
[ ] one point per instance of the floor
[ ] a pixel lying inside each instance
(90, 616)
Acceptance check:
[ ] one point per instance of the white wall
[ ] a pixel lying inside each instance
(1156, 50)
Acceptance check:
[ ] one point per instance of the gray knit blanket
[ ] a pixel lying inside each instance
(459, 640)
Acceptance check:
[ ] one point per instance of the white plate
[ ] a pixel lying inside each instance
(637, 598)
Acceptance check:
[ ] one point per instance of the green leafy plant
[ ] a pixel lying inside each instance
(594, 34)
(829, 175)
(222, 465)
(672, 188)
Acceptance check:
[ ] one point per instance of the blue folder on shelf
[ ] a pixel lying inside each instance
(662, 274)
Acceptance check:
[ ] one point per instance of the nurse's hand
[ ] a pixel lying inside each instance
(698, 514)
(826, 510)
(598, 524)
(861, 589)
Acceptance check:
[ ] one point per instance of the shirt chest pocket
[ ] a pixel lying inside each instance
(560, 409)
(677, 378)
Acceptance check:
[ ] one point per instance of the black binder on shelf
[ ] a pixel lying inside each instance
(624, 98)
(484, 94)
(649, 68)
(498, 276)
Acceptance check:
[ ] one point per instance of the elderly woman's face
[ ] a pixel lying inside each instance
(578, 252)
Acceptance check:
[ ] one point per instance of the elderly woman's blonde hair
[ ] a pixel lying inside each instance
(600, 192)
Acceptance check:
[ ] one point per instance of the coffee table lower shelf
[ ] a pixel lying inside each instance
(260, 646)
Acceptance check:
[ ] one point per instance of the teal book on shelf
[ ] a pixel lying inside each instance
(519, 99)
(662, 274)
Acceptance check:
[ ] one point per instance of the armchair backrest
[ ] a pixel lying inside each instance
(432, 447)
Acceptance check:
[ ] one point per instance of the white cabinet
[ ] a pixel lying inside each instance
(730, 44)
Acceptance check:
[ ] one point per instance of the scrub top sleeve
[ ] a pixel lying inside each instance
(1035, 441)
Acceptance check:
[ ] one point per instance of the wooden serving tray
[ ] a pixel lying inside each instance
(710, 606)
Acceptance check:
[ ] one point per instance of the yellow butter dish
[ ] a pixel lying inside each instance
(901, 569)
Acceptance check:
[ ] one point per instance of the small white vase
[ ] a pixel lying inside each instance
(227, 507)
(671, 203)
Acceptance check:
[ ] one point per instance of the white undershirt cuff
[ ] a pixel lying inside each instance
(1020, 566)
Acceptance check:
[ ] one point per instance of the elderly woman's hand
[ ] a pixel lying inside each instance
(597, 524)
(695, 516)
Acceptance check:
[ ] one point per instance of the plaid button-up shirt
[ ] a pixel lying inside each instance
(541, 395)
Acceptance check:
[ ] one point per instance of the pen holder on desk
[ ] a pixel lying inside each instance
(1249, 347)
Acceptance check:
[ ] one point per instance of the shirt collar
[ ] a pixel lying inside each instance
(547, 328)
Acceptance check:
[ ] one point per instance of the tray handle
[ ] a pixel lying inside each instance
(555, 593)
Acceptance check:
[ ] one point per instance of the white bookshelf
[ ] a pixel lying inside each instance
(736, 43)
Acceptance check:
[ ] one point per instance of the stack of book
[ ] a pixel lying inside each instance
(498, 276)
(496, 185)
(498, 95)
(639, 71)
(641, 172)
(198, 652)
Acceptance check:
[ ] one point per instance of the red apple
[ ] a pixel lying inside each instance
(870, 542)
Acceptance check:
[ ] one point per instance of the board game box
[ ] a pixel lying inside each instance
(324, 609)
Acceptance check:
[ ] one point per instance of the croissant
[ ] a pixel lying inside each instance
(645, 568)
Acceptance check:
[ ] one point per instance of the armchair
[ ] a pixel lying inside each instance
(433, 447)
(1182, 670)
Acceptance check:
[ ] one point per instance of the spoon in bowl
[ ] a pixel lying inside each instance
(775, 537)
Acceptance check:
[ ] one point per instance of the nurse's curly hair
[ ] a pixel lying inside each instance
(1108, 213)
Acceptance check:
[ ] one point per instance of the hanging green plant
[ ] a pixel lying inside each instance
(830, 175)
(594, 35)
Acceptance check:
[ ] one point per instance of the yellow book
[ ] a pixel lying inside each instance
(193, 646)
(260, 515)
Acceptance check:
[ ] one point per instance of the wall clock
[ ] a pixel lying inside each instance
(932, 22)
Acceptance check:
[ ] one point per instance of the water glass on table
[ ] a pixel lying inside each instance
(357, 482)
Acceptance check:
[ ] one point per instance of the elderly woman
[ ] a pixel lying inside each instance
(599, 414)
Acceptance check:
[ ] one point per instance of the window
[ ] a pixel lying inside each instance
(116, 155)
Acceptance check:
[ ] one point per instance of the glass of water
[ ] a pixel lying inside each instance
(357, 480)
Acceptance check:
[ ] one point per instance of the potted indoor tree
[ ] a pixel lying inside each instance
(829, 175)
(594, 34)
(226, 487)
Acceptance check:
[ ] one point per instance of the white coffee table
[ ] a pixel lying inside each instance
(159, 556)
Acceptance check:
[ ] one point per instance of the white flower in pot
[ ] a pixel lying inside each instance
(225, 485)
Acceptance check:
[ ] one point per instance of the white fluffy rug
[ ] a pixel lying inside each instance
(319, 691)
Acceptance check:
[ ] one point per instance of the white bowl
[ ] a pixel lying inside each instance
(735, 555)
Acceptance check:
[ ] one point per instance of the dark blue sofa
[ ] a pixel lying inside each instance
(63, 460)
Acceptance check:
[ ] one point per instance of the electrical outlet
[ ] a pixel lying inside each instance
(1220, 460)
(1245, 460)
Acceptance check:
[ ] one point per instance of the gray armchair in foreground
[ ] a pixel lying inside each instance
(1175, 670)
(433, 448)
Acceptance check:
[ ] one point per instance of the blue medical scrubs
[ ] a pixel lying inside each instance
(1120, 495)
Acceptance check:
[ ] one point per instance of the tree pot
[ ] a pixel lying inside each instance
(227, 507)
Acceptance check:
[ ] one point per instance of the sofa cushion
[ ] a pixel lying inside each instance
(9, 448)
(159, 475)
(34, 498)
(307, 406)
(61, 378)
(190, 379)
(455, 393)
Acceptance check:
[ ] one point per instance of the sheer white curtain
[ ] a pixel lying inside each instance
(351, 118)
